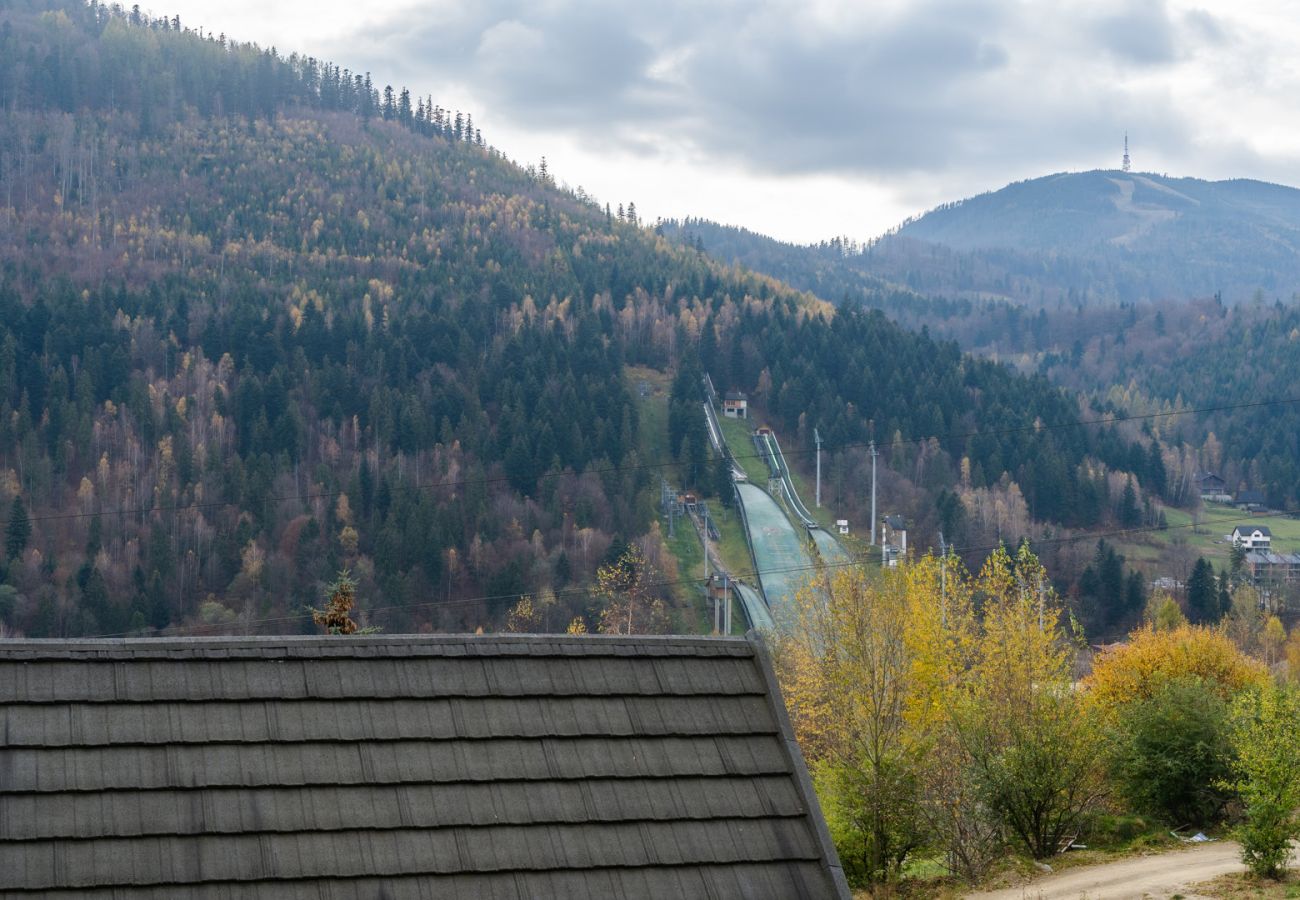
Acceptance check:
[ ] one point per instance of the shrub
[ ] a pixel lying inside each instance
(1151, 659)
(1267, 775)
(1171, 753)
(871, 806)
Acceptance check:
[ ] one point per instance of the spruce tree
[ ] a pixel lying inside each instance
(722, 480)
(1129, 514)
(1202, 594)
(18, 531)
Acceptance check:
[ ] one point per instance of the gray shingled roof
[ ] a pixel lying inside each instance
(403, 766)
(1251, 529)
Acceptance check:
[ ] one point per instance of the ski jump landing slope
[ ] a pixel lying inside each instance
(780, 554)
(755, 609)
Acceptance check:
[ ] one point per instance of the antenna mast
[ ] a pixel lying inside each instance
(1126, 165)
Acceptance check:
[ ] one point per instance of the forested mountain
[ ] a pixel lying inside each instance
(260, 320)
(1099, 237)
(1103, 237)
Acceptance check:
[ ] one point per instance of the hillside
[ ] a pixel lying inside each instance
(261, 320)
(1189, 352)
(1103, 236)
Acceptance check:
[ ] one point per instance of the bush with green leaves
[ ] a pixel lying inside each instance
(1266, 773)
(1039, 776)
(1171, 753)
(873, 813)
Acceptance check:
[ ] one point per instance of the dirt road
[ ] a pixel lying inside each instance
(1159, 876)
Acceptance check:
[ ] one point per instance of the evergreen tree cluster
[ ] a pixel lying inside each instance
(74, 57)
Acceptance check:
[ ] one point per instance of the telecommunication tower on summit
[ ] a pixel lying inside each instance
(1126, 164)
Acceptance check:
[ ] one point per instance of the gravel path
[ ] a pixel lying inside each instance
(1158, 876)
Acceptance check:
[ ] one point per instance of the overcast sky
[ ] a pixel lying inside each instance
(805, 119)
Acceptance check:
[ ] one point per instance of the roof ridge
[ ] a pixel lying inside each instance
(376, 646)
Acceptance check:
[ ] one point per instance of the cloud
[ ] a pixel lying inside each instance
(1140, 32)
(895, 90)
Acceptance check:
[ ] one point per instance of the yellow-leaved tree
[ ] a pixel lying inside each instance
(943, 641)
(937, 709)
(532, 616)
(1152, 658)
(1032, 752)
(625, 590)
(847, 676)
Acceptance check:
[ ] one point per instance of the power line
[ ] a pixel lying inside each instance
(418, 486)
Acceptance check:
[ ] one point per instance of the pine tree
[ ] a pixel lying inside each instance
(1129, 513)
(722, 480)
(18, 531)
(404, 114)
(1202, 594)
(1157, 476)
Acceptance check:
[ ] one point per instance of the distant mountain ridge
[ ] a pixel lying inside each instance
(1064, 211)
(1100, 237)
(1103, 236)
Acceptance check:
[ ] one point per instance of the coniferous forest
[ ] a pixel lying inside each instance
(261, 320)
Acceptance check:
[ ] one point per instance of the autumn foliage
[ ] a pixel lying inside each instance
(335, 618)
(1151, 658)
(937, 710)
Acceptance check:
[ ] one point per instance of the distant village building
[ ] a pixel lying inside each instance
(1212, 488)
(1268, 569)
(1252, 537)
(735, 405)
(404, 766)
(1251, 501)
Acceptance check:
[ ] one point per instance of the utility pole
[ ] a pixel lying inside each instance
(873, 493)
(817, 437)
(704, 536)
(726, 591)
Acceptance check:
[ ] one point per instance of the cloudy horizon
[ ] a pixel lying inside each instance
(806, 121)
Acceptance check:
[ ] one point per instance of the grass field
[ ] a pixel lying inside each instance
(736, 432)
(653, 412)
(1205, 534)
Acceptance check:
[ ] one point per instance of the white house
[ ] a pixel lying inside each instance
(1252, 537)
